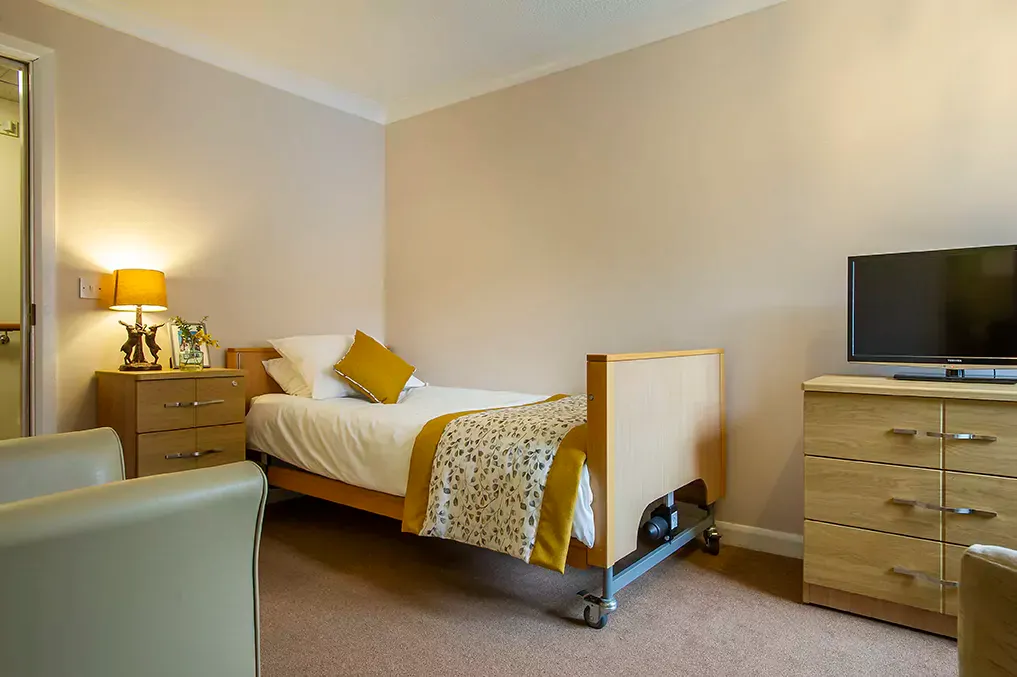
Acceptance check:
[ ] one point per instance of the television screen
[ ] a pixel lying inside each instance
(956, 306)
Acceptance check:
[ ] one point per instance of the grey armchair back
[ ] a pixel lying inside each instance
(155, 576)
(47, 464)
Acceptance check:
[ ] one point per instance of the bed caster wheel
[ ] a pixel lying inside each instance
(594, 618)
(711, 541)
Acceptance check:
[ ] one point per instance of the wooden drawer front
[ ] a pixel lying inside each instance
(153, 398)
(153, 448)
(862, 562)
(220, 444)
(992, 494)
(951, 572)
(219, 400)
(859, 494)
(861, 427)
(994, 450)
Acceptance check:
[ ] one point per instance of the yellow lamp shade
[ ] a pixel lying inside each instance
(133, 287)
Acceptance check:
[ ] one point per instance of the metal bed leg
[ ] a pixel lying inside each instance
(711, 537)
(599, 608)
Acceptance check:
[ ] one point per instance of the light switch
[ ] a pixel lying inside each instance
(89, 287)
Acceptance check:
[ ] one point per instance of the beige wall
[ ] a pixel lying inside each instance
(266, 211)
(703, 191)
(10, 273)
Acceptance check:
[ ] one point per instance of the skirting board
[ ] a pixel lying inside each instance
(763, 540)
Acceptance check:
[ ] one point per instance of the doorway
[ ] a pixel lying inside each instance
(15, 253)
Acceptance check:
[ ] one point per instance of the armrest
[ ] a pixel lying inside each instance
(152, 576)
(987, 638)
(49, 464)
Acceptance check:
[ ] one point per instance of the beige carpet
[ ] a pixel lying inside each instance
(344, 593)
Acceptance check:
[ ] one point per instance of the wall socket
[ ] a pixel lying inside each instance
(89, 287)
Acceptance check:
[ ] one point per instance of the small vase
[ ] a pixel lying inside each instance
(192, 360)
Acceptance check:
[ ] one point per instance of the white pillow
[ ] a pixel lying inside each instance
(313, 357)
(414, 382)
(289, 379)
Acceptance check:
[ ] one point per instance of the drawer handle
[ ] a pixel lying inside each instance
(943, 508)
(904, 431)
(193, 454)
(922, 576)
(205, 403)
(201, 403)
(963, 436)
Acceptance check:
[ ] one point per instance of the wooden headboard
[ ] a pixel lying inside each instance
(256, 379)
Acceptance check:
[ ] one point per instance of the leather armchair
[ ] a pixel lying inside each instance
(155, 576)
(987, 627)
(48, 464)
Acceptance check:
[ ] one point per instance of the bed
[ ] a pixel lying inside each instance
(656, 433)
(350, 440)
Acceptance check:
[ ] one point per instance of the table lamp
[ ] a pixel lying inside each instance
(139, 290)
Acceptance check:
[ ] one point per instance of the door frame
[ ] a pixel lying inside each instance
(39, 391)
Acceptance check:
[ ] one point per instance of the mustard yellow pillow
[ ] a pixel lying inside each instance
(373, 370)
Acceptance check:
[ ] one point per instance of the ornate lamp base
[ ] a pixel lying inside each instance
(141, 366)
(139, 335)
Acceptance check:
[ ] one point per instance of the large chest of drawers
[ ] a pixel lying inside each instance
(174, 420)
(900, 477)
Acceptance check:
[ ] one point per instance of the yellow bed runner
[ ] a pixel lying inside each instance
(503, 479)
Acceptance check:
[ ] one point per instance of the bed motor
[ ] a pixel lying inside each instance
(662, 525)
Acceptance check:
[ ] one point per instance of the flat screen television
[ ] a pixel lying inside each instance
(947, 307)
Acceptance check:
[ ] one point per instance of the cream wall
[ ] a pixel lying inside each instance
(703, 191)
(250, 199)
(10, 273)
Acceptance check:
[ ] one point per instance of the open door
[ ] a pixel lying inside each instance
(16, 342)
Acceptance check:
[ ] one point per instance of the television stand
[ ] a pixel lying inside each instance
(956, 376)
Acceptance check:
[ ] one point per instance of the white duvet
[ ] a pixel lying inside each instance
(370, 445)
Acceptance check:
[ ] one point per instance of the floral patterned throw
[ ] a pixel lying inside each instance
(490, 475)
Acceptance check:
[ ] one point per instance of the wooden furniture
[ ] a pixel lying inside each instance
(655, 425)
(900, 477)
(174, 420)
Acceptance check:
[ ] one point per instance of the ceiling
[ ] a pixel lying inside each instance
(390, 59)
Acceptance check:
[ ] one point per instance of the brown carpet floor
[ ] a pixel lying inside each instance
(344, 593)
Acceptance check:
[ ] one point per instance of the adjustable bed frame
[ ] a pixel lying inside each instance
(655, 435)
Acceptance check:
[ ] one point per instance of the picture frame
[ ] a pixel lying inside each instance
(180, 342)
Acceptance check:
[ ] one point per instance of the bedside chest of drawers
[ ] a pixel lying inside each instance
(900, 477)
(174, 420)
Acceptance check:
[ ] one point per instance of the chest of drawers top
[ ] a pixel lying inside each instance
(881, 385)
(170, 374)
(173, 400)
(949, 426)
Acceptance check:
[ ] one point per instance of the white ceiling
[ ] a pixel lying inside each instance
(390, 59)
